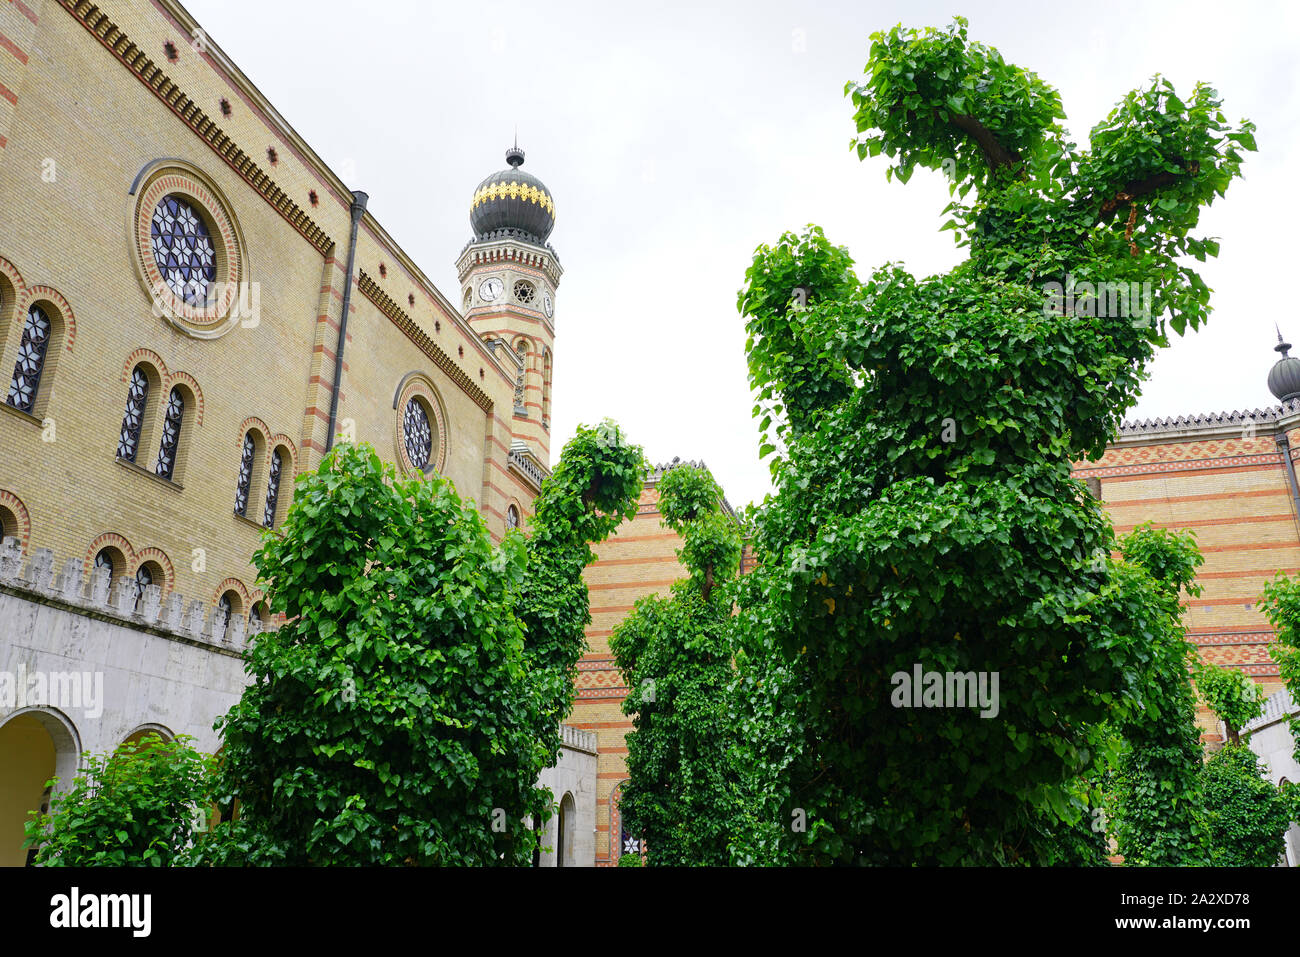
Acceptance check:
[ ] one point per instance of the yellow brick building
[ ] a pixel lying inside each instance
(193, 305)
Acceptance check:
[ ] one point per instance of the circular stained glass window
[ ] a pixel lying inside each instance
(417, 434)
(525, 291)
(183, 250)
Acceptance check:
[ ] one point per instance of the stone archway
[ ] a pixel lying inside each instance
(36, 744)
(564, 856)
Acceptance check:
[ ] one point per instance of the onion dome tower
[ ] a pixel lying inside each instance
(1284, 377)
(508, 274)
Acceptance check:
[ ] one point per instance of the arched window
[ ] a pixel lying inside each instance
(8, 524)
(37, 331)
(546, 388)
(512, 517)
(245, 475)
(183, 250)
(171, 435)
(521, 355)
(105, 558)
(137, 396)
(230, 605)
(273, 489)
(143, 579)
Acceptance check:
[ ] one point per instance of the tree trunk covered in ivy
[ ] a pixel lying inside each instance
(922, 432)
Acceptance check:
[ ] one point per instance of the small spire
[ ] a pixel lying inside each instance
(1281, 346)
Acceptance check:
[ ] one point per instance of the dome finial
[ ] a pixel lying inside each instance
(1284, 377)
(514, 155)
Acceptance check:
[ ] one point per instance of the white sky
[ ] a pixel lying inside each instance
(676, 137)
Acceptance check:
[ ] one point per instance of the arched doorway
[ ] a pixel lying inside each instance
(564, 839)
(35, 746)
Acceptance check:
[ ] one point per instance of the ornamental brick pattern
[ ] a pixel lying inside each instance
(76, 236)
(1224, 478)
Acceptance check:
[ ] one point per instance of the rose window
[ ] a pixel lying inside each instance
(183, 250)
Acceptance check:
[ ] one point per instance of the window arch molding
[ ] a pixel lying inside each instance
(162, 382)
(117, 546)
(42, 309)
(251, 488)
(228, 295)
(22, 519)
(417, 387)
(243, 602)
(136, 734)
(138, 429)
(162, 571)
(12, 291)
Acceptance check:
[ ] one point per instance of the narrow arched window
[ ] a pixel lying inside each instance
(245, 475)
(273, 489)
(31, 360)
(512, 517)
(171, 436)
(521, 355)
(128, 444)
(104, 559)
(546, 388)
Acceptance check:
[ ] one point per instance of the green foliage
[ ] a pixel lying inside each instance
(403, 712)
(925, 512)
(592, 490)
(1231, 695)
(630, 860)
(1247, 816)
(1119, 211)
(1282, 606)
(675, 656)
(1156, 808)
(140, 806)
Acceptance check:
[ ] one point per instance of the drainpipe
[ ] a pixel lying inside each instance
(358, 207)
(1284, 446)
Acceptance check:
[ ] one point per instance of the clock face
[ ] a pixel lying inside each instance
(547, 306)
(489, 289)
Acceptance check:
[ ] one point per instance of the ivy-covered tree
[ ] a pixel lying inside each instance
(1158, 803)
(1247, 816)
(593, 489)
(1282, 606)
(1231, 695)
(404, 711)
(675, 656)
(925, 515)
(140, 806)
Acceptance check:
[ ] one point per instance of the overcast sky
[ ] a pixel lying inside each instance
(677, 137)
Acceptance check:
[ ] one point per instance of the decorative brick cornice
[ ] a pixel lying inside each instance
(149, 73)
(400, 318)
(1270, 419)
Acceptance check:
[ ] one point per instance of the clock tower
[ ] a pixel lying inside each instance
(508, 276)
